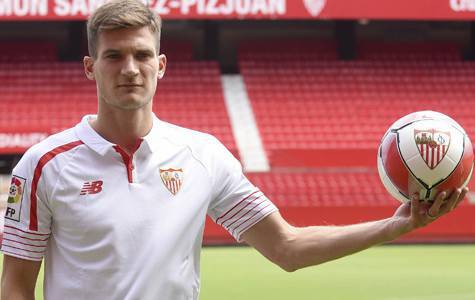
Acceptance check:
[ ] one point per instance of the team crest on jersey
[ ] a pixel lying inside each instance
(432, 145)
(15, 196)
(172, 178)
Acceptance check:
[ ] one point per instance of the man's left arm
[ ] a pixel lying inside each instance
(293, 248)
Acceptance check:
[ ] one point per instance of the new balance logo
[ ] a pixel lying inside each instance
(92, 187)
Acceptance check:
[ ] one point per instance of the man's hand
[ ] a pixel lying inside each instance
(416, 213)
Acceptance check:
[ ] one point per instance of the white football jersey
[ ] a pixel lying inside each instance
(114, 226)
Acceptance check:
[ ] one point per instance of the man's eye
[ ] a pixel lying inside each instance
(143, 55)
(112, 56)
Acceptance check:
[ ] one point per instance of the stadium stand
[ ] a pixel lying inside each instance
(28, 51)
(321, 120)
(405, 51)
(309, 108)
(323, 189)
(51, 96)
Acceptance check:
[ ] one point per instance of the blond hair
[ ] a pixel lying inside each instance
(119, 14)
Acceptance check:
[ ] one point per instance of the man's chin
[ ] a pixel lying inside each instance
(131, 103)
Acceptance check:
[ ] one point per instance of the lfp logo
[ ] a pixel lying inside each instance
(15, 196)
(16, 190)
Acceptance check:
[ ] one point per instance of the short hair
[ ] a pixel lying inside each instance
(119, 14)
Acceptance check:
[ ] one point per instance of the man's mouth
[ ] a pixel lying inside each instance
(129, 85)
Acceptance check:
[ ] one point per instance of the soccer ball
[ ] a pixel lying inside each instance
(425, 152)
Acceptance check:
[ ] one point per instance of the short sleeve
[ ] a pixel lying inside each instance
(27, 216)
(236, 203)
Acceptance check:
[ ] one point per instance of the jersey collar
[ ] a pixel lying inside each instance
(97, 143)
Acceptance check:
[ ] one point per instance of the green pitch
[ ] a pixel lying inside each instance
(382, 273)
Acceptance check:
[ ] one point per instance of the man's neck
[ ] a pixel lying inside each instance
(123, 128)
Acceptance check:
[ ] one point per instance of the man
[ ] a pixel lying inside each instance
(117, 204)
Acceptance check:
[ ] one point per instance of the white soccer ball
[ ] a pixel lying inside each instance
(425, 152)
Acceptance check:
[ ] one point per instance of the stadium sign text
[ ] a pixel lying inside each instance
(223, 7)
(38, 10)
(20, 140)
(462, 5)
(65, 8)
(22, 8)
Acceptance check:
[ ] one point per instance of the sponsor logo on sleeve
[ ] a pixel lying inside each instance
(15, 197)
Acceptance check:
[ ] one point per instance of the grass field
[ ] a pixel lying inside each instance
(384, 273)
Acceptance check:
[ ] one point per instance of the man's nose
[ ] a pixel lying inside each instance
(130, 67)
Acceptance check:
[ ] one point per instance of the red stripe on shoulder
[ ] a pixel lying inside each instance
(36, 177)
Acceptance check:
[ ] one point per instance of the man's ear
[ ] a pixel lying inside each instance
(162, 65)
(89, 67)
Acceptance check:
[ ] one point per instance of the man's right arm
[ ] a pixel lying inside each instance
(19, 278)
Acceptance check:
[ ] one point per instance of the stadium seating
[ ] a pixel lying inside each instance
(323, 188)
(176, 50)
(304, 106)
(398, 51)
(27, 51)
(50, 97)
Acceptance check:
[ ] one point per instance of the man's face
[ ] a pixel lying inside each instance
(127, 68)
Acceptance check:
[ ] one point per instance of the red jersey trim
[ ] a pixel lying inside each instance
(236, 229)
(30, 245)
(36, 240)
(128, 159)
(245, 212)
(36, 177)
(224, 215)
(26, 250)
(244, 215)
(32, 233)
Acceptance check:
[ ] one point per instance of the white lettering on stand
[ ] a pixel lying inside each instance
(21, 8)
(462, 5)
